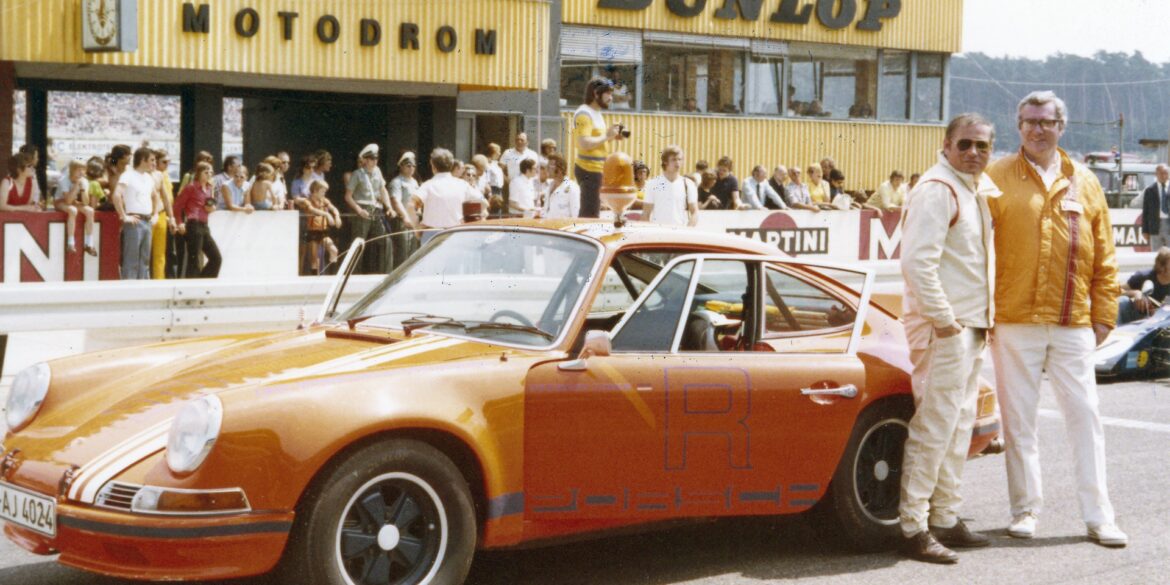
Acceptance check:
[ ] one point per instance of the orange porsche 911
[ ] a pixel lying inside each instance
(514, 383)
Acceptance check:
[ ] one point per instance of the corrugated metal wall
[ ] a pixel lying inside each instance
(934, 25)
(50, 31)
(865, 152)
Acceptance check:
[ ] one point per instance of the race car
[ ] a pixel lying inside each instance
(514, 383)
(1137, 349)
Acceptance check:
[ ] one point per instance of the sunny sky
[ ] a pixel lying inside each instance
(1037, 28)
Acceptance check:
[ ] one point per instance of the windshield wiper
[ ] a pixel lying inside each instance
(355, 320)
(413, 323)
(512, 327)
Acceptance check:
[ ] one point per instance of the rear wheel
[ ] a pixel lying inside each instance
(394, 513)
(862, 503)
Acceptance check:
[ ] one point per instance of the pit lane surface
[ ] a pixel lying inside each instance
(790, 549)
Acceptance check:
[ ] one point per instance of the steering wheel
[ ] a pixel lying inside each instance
(512, 314)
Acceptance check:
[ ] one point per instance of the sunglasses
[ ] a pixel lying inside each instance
(982, 146)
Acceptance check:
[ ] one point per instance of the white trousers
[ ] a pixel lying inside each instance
(1021, 353)
(945, 381)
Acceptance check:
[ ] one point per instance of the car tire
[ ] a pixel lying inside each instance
(861, 506)
(397, 512)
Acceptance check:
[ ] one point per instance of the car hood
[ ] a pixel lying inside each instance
(88, 415)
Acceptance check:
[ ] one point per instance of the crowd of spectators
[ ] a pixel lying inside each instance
(174, 240)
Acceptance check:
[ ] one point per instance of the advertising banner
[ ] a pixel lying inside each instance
(861, 235)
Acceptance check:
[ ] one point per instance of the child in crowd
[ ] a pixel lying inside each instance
(95, 171)
(72, 196)
(322, 214)
(260, 195)
(233, 192)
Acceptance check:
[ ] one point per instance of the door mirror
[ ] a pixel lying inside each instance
(597, 344)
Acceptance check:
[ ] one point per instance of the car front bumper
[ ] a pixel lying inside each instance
(184, 548)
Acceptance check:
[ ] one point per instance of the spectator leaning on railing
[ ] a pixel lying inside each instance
(72, 198)
(193, 206)
(136, 199)
(18, 190)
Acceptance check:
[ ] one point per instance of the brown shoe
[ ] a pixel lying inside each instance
(923, 547)
(92, 251)
(959, 536)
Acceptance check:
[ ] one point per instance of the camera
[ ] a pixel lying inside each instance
(623, 131)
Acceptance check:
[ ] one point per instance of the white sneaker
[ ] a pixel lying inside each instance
(1108, 535)
(1024, 526)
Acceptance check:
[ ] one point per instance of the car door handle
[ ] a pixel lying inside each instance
(848, 391)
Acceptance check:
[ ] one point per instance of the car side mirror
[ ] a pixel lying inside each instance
(597, 344)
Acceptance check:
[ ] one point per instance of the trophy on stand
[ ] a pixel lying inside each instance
(617, 186)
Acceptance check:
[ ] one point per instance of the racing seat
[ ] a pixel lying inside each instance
(699, 333)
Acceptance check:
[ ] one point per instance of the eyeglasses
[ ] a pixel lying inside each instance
(965, 144)
(1031, 123)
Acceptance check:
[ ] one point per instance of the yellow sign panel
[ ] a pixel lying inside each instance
(893, 24)
(497, 44)
(910, 148)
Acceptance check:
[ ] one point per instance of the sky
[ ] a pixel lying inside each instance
(1038, 28)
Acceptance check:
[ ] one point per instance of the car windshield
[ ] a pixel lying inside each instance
(505, 286)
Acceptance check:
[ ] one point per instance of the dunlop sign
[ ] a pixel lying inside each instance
(833, 14)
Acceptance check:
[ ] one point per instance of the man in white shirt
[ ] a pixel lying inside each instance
(565, 198)
(136, 199)
(512, 157)
(756, 191)
(891, 194)
(522, 191)
(671, 198)
(442, 197)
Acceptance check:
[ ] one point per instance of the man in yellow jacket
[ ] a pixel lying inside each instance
(1056, 299)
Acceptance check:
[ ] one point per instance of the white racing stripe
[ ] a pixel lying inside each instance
(113, 461)
(1116, 422)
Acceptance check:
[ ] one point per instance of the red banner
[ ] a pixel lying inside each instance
(33, 248)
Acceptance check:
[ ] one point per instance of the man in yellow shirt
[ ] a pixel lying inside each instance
(592, 135)
(1056, 300)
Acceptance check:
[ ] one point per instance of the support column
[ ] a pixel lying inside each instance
(36, 131)
(7, 111)
(436, 129)
(201, 124)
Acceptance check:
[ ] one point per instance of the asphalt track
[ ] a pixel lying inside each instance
(787, 550)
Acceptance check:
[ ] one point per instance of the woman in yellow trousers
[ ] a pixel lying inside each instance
(159, 235)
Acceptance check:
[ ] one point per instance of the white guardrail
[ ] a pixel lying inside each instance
(46, 320)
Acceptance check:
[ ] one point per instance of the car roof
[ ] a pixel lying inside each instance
(638, 233)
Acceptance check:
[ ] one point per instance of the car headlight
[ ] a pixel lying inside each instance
(27, 395)
(193, 434)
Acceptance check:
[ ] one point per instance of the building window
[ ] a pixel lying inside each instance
(85, 124)
(19, 121)
(894, 102)
(687, 79)
(832, 82)
(575, 75)
(767, 85)
(928, 87)
(233, 127)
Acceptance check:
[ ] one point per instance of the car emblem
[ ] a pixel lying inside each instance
(67, 480)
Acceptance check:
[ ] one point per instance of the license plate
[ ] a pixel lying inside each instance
(24, 508)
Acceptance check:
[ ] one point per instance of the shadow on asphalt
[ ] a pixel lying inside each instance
(754, 548)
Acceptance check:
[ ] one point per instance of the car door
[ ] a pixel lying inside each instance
(676, 422)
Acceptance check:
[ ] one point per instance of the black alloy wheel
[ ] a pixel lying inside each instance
(393, 531)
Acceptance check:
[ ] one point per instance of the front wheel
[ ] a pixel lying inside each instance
(396, 512)
(862, 503)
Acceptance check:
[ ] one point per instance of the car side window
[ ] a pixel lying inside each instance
(651, 327)
(715, 320)
(795, 307)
